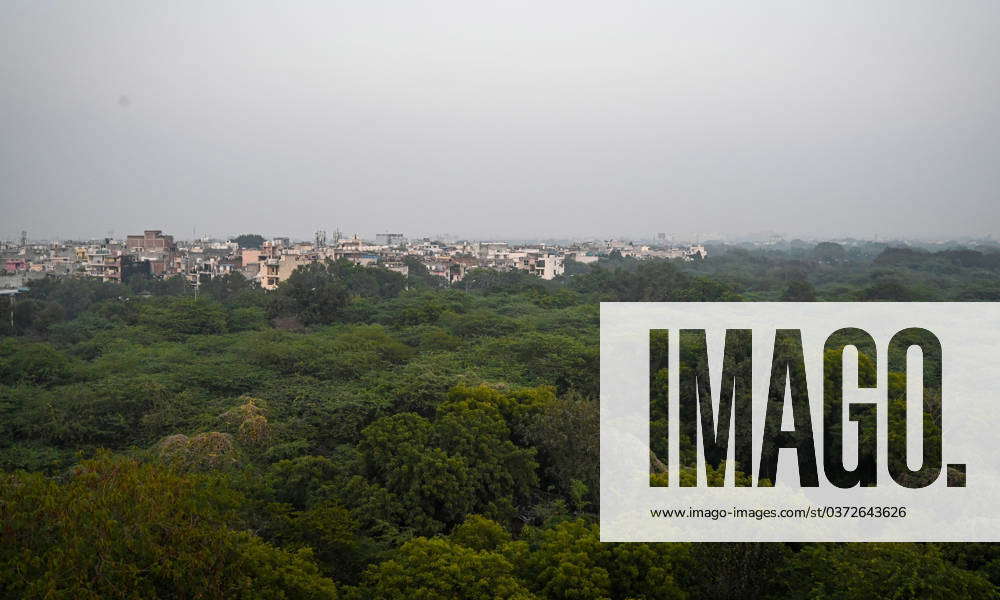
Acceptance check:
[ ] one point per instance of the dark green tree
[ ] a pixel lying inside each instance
(249, 240)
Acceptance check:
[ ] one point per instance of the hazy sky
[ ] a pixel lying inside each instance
(513, 118)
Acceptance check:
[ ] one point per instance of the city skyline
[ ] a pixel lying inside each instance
(14, 237)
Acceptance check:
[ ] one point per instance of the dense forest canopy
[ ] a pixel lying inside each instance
(360, 434)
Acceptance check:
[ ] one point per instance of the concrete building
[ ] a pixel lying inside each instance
(12, 265)
(114, 266)
(389, 239)
(398, 267)
(582, 258)
(275, 270)
(450, 270)
(159, 250)
(541, 263)
(151, 240)
(252, 256)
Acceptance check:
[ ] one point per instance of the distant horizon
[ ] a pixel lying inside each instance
(748, 237)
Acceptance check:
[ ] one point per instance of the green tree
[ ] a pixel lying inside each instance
(417, 274)
(33, 363)
(471, 425)
(829, 252)
(331, 531)
(863, 571)
(432, 488)
(733, 571)
(120, 529)
(567, 434)
(249, 240)
(320, 292)
(889, 289)
(431, 569)
(480, 534)
(75, 295)
(799, 290)
(568, 560)
(174, 317)
(312, 294)
(226, 289)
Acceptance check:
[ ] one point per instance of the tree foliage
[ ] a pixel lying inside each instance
(249, 240)
(120, 529)
(398, 435)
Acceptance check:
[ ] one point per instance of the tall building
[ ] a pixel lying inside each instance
(158, 249)
(151, 240)
(389, 239)
(108, 265)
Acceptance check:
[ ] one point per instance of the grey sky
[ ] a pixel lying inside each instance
(515, 118)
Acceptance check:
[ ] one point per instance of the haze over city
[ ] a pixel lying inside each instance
(512, 120)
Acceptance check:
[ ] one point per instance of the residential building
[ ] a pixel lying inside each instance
(151, 240)
(389, 239)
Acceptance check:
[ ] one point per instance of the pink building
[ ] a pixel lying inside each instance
(12, 265)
